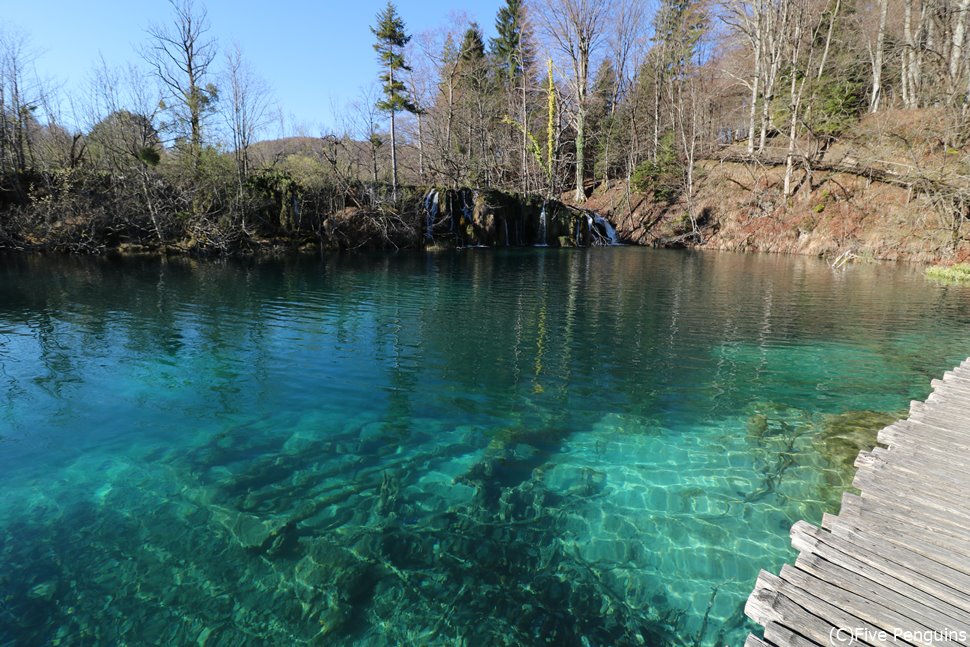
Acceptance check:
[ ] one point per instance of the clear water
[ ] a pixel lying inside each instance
(569, 447)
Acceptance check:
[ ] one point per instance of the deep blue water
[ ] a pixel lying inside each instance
(569, 447)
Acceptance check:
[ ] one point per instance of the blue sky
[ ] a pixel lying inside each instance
(314, 55)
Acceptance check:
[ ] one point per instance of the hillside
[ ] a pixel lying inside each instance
(887, 190)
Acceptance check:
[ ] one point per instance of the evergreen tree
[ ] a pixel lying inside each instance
(476, 104)
(391, 39)
(512, 53)
(510, 49)
(472, 45)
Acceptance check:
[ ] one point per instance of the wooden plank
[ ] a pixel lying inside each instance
(910, 465)
(944, 417)
(754, 641)
(897, 557)
(940, 529)
(918, 432)
(907, 532)
(852, 610)
(907, 493)
(888, 498)
(770, 605)
(919, 616)
(947, 614)
(779, 635)
(931, 525)
(901, 471)
(807, 538)
(923, 454)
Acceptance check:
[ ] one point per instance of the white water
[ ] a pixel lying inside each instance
(542, 228)
(607, 228)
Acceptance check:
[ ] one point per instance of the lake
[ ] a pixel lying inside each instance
(484, 447)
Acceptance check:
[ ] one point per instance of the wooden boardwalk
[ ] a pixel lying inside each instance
(894, 566)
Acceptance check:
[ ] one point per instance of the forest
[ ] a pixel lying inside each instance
(632, 108)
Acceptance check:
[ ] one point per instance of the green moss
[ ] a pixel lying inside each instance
(959, 273)
(844, 435)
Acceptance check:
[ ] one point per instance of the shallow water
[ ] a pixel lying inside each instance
(570, 447)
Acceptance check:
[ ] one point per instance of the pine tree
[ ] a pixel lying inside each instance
(476, 100)
(472, 45)
(510, 49)
(513, 55)
(391, 39)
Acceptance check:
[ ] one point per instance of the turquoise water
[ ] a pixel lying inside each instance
(569, 447)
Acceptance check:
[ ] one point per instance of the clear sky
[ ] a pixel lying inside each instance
(314, 54)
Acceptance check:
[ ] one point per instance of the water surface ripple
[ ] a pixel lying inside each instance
(522, 447)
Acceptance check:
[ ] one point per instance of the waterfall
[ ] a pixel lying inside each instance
(607, 228)
(505, 223)
(431, 209)
(542, 227)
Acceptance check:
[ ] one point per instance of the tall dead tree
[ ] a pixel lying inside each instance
(878, 57)
(577, 28)
(180, 55)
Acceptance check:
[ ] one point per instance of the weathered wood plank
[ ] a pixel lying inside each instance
(754, 641)
(770, 604)
(779, 635)
(897, 556)
(904, 490)
(945, 614)
(853, 610)
(920, 615)
(905, 528)
(939, 528)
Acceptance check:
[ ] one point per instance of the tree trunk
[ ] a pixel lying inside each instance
(420, 147)
(525, 139)
(794, 104)
(877, 64)
(956, 52)
(756, 39)
(390, 72)
(828, 39)
(580, 195)
(393, 159)
(582, 76)
(907, 45)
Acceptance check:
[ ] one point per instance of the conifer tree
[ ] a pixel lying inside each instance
(513, 54)
(391, 39)
(509, 48)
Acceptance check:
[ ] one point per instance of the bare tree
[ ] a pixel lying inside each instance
(180, 55)
(877, 59)
(248, 108)
(123, 134)
(627, 44)
(577, 28)
(957, 62)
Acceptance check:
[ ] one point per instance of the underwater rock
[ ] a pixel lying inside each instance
(251, 532)
(344, 583)
(844, 435)
(43, 591)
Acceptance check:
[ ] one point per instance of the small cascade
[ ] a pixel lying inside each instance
(432, 209)
(505, 223)
(609, 233)
(542, 227)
